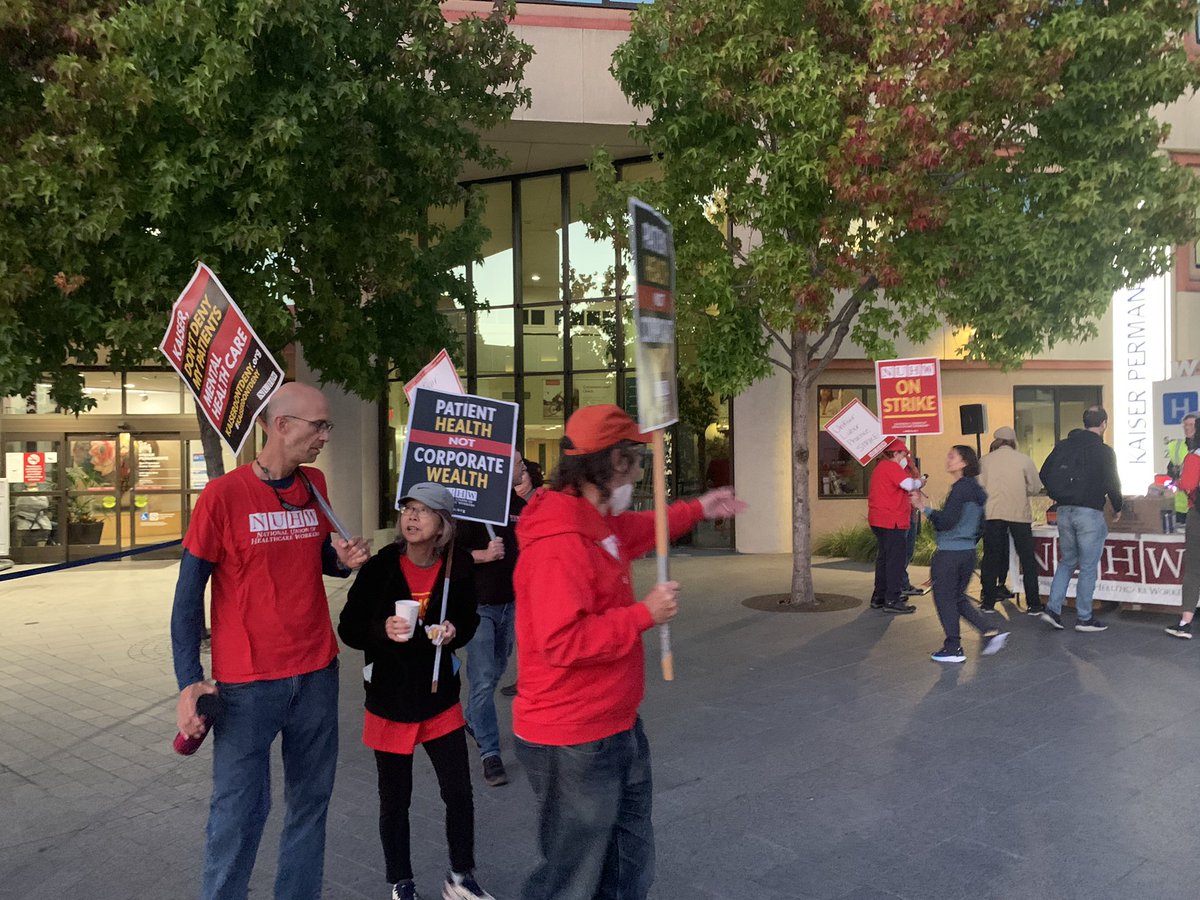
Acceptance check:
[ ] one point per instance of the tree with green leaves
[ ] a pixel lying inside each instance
(835, 169)
(294, 147)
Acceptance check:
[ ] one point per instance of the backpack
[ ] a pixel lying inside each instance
(1063, 472)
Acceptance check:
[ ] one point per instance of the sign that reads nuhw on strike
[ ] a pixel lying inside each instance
(229, 371)
(466, 444)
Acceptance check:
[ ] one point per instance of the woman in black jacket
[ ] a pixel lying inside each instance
(401, 711)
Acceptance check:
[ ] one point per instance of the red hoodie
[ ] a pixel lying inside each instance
(579, 626)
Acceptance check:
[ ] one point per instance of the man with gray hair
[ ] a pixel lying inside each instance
(1078, 474)
(1010, 479)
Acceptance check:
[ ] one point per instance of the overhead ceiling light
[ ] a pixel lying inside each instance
(535, 277)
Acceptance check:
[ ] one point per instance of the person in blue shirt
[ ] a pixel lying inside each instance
(956, 527)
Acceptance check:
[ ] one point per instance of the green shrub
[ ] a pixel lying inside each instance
(857, 542)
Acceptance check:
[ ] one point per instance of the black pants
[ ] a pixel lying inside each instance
(1191, 560)
(449, 757)
(889, 564)
(952, 570)
(995, 560)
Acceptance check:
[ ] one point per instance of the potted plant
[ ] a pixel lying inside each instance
(84, 523)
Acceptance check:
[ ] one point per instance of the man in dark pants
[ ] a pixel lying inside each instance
(889, 515)
(1010, 479)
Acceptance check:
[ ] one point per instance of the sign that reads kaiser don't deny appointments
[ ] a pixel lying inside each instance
(910, 395)
(653, 247)
(466, 444)
(227, 368)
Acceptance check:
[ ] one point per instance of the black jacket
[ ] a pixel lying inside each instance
(399, 688)
(1094, 469)
(494, 580)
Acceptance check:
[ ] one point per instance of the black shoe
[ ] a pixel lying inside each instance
(899, 607)
(987, 607)
(509, 690)
(1004, 593)
(405, 890)
(1182, 630)
(877, 604)
(911, 591)
(463, 887)
(493, 771)
(1035, 609)
(1092, 624)
(1051, 618)
(949, 655)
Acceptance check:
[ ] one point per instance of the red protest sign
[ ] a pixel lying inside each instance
(223, 362)
(910, 395)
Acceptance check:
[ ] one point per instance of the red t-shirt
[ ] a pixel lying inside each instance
(420, 583)
(270, 614)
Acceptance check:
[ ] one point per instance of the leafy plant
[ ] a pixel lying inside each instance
(81, 508)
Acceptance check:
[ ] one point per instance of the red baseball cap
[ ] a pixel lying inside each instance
(596, 428)
(895, 445)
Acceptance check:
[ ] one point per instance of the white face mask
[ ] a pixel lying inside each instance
(621, 499)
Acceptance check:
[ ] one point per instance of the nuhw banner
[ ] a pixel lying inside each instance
(910, 395)
(465, 443)
(227, 368)
(652, 245)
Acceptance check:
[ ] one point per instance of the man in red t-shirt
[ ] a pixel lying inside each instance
(259, 533)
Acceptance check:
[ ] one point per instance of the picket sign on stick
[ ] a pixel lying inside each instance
(652, 245)
(662, 546)
(437, 657)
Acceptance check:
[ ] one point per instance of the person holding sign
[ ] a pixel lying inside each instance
(487, 654)
(391, 614)
(579, 651)
(260, 534)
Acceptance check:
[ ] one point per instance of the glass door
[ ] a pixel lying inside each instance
(154, 503)
(98, 476)
(33, 470)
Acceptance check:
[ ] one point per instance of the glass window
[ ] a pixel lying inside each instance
(37, 402)
(592, 388)
(543, 409)
(840, 473)
(105, 389)
(541, 239)
(497, 388)
(593, 262)
(495, 345)
(493, 278)
(158, 464)
(1043, 416)
(594, 335)
(197, 473)
(542, 335)
(155, 393)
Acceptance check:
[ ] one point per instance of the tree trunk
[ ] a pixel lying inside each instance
(802, 581)
(214, 461)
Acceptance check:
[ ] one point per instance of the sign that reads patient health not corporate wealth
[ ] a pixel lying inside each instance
(229, 371)
(910, 395)
(465, 443)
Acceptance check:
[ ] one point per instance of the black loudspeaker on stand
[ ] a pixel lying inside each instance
(973, 417)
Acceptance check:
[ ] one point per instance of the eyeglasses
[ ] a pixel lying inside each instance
(418, 512)
(323, 426)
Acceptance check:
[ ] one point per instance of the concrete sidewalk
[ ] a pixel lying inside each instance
(796, 755)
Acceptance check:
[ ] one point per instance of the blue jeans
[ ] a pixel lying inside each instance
(487, 658)
(303, 709)
(1081, 534)
(594, 830)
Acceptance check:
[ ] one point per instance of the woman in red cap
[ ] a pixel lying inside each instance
(579, 650)
(889, 511)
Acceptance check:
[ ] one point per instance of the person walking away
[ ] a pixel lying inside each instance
(956, 526)
(488, 652)
(1079, 473)
(1189, 486)
(889, 513)
(1009, 478)
(579, 647)
(259, 534)
(401, 711)
(1177, 451)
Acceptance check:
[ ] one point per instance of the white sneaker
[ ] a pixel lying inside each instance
(994, 643)
(463, 887)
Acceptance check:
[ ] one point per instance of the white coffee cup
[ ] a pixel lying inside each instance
(408, 609)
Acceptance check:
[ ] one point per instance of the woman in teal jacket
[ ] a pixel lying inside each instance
(957, 525)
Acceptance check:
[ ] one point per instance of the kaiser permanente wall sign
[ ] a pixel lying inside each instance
(465, 443)
(227, 368)
(910, 395)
